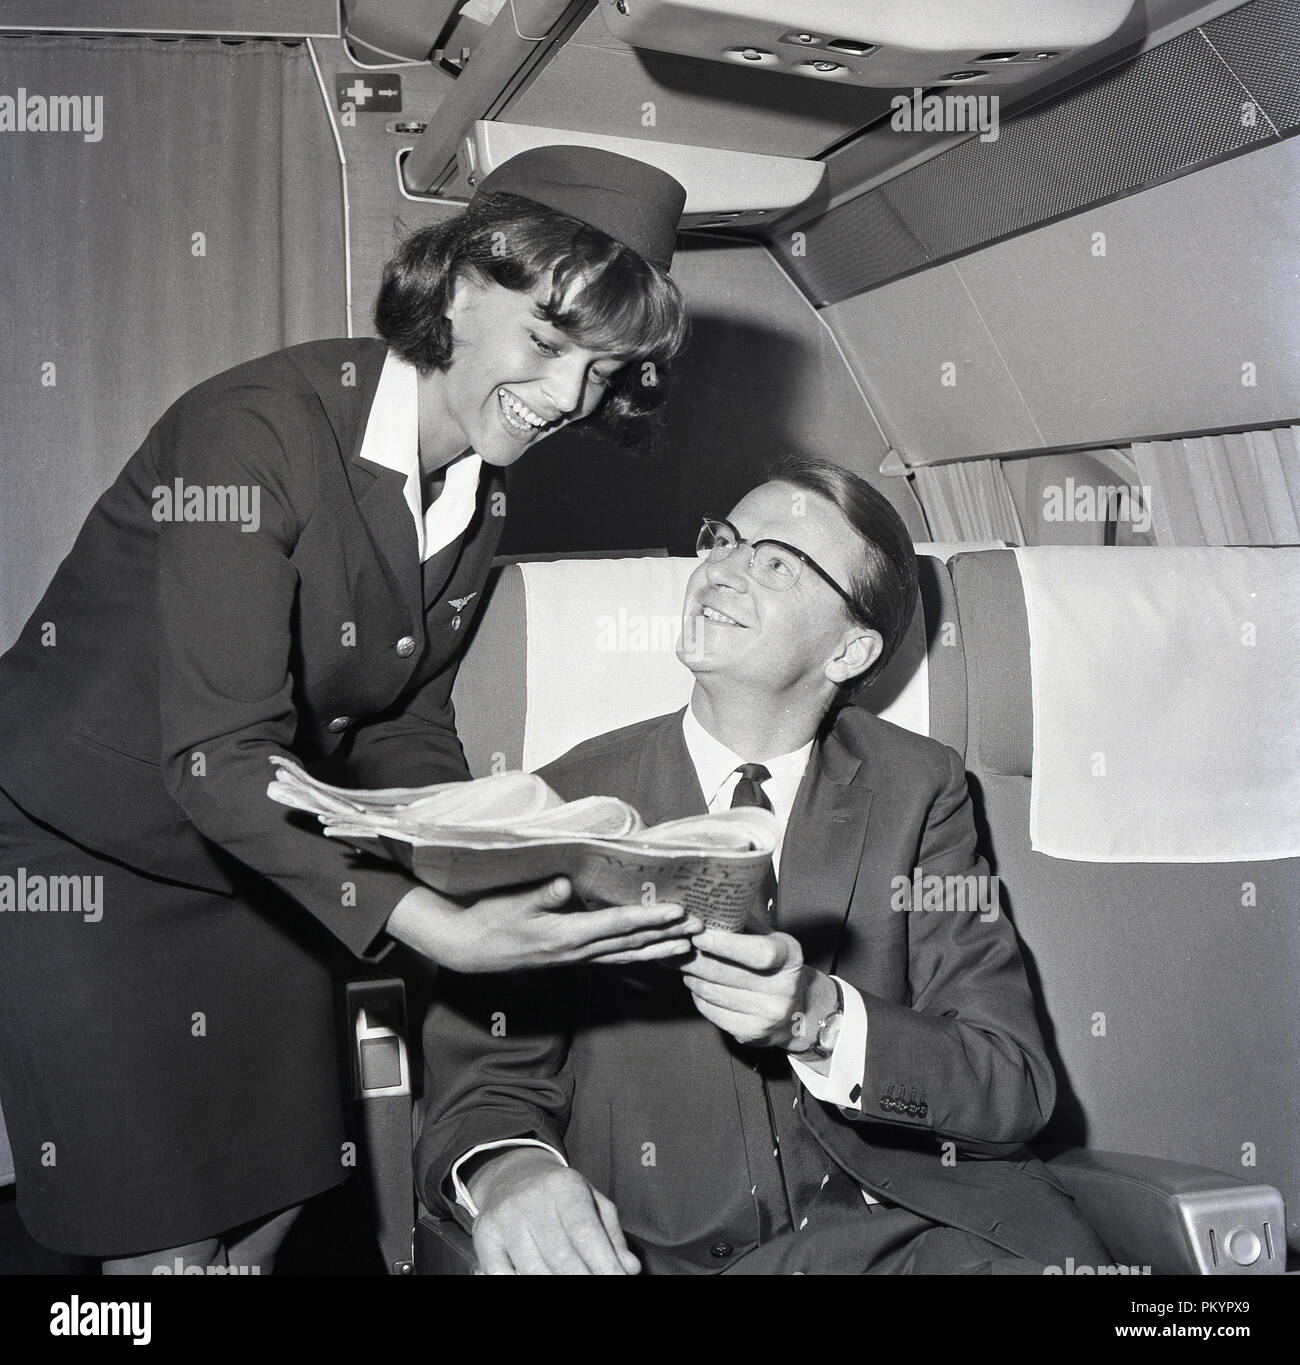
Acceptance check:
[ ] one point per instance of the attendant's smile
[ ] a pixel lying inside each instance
(520, 420)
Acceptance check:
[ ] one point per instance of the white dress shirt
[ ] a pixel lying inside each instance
(392, 439)
(715, 766)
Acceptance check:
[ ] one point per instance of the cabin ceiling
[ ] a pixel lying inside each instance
(580, 77)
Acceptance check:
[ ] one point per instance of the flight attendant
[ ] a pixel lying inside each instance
(289, 565)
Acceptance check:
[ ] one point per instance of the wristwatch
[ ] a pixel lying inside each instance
(828, 1029)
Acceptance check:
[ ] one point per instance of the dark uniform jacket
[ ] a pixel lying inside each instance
(180, 1054)
(170, 659)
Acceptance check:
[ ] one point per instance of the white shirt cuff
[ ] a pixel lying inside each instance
(462, 1194)
(842, 1084)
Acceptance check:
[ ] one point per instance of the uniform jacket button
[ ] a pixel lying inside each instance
(339, 724)
(720, 1249)
(405, 646)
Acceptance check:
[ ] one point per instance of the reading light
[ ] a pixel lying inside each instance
(755, 56)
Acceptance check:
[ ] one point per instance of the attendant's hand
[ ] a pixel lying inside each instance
(757, 988)
(528, 928)
(538, 1217)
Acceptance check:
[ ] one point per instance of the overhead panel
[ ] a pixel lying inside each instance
(520, 37)
(720, 185)
(396, 30)
(595, 83)
(1177, 107)
(885, 43)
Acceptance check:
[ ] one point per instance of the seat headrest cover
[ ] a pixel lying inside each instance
(1166, 711)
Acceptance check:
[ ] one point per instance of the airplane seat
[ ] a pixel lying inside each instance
(603, 631)
(1161, 930)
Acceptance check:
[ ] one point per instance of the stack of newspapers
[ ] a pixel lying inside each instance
(464, 838)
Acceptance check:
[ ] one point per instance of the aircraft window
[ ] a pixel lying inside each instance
(1081, 498)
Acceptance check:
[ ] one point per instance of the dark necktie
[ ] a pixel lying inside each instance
(794, 1182)
(749, 792)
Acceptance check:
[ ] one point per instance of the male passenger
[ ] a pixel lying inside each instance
(850, 1090)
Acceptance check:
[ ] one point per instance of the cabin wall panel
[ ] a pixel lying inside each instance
(1197, 281)
(1151, 338)
(376, 204)
(901, 340)
(761, 377)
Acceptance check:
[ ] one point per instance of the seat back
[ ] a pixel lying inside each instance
(1168, 988)
(567, 650)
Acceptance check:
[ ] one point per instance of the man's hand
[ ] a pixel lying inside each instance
(757, 988)
(537, 1217)
(529, 928)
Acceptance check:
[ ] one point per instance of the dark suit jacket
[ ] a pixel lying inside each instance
(600, 1062)
(169, 659)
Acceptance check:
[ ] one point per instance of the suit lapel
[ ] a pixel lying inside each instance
(823, 850)
(667, 785)
(380, 495)
(382, 505)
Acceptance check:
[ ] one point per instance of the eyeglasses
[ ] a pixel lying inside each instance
(772, 563)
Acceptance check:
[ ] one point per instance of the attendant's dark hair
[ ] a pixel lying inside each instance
(884, 588)
(603, 295)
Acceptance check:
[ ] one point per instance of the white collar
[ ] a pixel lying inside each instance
(715, 764)
(392, 439)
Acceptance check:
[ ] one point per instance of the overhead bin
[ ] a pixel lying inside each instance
(397, 30)
(885, 43)
(718, 183)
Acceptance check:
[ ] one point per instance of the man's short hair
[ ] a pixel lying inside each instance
(602, 295)
(884, 588)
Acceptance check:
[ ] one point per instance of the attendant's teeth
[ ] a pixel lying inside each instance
(521, 411)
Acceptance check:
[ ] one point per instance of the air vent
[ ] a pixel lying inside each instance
(850, 47)
(997, 56)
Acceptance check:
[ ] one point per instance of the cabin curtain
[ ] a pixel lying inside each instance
(167, 209)
(968, 501)
(1224, 490)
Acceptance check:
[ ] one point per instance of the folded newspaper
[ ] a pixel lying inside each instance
(464, 838)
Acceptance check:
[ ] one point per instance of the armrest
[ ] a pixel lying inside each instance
(381, 1084)
(1176, 1218)
(442, 1247)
